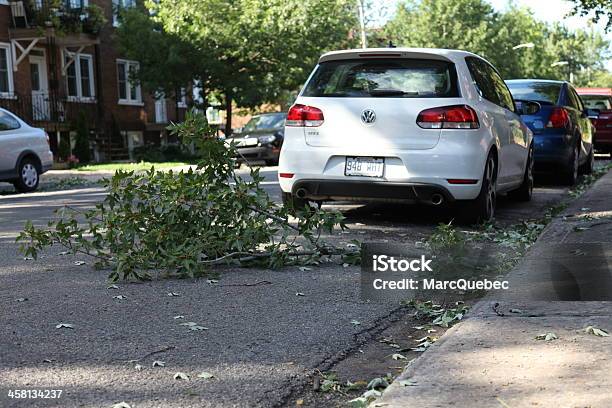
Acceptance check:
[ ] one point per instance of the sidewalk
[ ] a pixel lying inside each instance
(97, 175)
(493, 359)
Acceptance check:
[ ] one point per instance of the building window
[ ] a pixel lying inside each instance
(161, 111)
(79, 77)
(118, 5)
(182, 99)
(76, 4)
(129, 89)
(6, 71)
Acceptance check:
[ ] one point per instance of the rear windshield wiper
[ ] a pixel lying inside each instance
(392, 92)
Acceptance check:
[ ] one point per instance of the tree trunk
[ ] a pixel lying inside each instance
(228, 113)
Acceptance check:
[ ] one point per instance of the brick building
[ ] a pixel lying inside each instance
(59, 62)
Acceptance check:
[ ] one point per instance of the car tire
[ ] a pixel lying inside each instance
(587, 168)
(293, 202)
(29, 176)
(482, 209)
(525, 191)
(571, 169)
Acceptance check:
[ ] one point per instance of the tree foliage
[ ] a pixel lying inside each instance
(473, 25)
(596, 8)
(246, 51)
(183, 223)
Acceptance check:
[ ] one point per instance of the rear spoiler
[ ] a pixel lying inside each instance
(381, 53)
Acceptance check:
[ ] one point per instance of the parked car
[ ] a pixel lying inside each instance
(563, 133)
(24, 152)
(600, 101)
(432, 126)
(261, 138)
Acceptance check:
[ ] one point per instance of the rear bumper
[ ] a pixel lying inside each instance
(550, 150)
(258, 153)
(603, 139)
(369, 191)
(458, 155)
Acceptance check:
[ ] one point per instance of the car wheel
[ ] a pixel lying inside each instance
(29, 175)
(525, 191)
(571, 171)
(587, 168)
(293, 202)
(482, 209)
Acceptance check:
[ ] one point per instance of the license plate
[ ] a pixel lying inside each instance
(364, 166)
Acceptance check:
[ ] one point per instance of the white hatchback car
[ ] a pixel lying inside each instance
(24, 152)
(433, 126)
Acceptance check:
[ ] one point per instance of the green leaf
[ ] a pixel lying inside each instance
(596, 331)
(547, 336)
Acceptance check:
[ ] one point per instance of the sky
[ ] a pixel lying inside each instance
(545, 10)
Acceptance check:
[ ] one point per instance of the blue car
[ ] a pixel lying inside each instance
(562, 131)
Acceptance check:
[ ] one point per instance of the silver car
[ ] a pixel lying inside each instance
(24, 152)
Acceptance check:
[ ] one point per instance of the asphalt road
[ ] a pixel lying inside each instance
(261, 340)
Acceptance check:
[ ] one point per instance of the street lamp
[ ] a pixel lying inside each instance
(563, 63)
(559, 64)
(524, 45)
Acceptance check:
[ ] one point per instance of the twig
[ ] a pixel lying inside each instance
(263, 282)
(496, 310)
(162, 350)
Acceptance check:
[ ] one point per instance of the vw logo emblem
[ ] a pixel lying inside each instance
(368, 116)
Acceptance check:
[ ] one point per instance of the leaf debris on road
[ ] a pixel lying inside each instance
(547, 336)
(64, 326)
(206, 375)
(596, 331)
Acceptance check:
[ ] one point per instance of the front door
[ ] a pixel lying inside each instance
(40, 88)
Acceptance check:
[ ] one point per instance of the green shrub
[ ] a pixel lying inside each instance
(160, 154)
(64, 150)
(81, 147)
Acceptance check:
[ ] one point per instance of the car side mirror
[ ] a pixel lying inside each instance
(592, 113)
(525, 107)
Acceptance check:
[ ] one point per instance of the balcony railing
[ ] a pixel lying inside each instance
(70, 16)
(49, 109)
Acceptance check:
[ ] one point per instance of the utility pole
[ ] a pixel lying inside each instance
(364, 43)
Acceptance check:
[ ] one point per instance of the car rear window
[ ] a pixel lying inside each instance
(600, 102)
(385, 78)
(543, 92)
(265, 122)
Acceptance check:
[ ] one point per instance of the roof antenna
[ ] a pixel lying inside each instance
(391, 45)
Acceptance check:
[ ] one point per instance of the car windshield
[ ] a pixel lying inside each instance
(390, 78)
(265, 122)
(543, 92)
(600, 102)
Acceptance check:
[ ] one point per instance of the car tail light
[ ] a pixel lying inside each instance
(462, 181)
(48, 140)
(286, 175)
(448, 117)
(558, 119)
(304, 116)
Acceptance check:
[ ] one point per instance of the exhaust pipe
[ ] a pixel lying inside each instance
(437, 199)
(301, 193)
